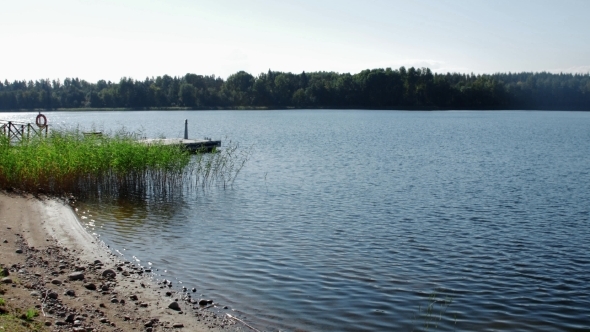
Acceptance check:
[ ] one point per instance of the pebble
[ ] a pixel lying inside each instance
(70, 292)
(178, 325)
(174, 306)
(6, 280)
(5, 241)
(90, 286)
(133, 297)
(108, 273)
(35, 294)
(19, 251)
(76, 276)
(56, 282)
(52, 295)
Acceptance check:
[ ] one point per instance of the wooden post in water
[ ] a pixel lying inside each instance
(186, 129)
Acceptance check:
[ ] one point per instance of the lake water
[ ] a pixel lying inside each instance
(357, 220)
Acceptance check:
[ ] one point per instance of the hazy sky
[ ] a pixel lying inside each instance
(109, 39)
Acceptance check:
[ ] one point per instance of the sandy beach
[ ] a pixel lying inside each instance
(75, 283)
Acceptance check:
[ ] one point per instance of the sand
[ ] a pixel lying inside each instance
(43, 245)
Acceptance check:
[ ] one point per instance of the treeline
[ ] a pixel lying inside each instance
(413, 88)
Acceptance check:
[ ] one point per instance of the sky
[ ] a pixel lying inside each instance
(110, 39)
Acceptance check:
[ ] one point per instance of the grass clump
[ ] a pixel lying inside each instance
(31, 313)
(67, 163)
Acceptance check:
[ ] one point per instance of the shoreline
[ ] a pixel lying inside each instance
(45, 249)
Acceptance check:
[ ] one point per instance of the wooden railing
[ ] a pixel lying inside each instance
(19, 131)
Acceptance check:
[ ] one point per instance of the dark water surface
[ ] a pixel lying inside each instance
(352, 220)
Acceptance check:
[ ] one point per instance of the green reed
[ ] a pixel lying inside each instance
(68, 163)
(430, 316)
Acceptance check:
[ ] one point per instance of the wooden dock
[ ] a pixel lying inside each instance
(192, 145)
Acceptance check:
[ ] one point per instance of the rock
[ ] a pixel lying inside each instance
(60, 323)
(6, 280)
(5, 241)
(35, 294)
(109, 273)
(178, 325)
(205, 302)
(194, 289)
(90, 286)
(168, 293)
(52, 295)
(70, 292)
(97, 262)
(104, 288)
(19, 251)
(143, 305)
(114, 300)
(174, 306)
(56, 282)
(104, 320)
(4, 272)
(133, 297)
(76, 276)
(149, 324)
(70, 318)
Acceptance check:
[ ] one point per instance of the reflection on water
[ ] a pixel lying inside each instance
(352, 220)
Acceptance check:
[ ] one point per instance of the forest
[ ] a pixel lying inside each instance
(411, 88)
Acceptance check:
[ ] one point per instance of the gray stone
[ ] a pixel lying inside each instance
(6, 280)
(35, 294)
(109, 273)
(178, 325)
(174, 306)
(90, 286)
(56, 282)
(52, 295)
(70, 292)
(19, 251)
(76, 276)
(133, 297)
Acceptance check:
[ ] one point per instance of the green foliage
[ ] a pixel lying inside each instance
(2, 302)
(31, 313)
(403, 88)
(113, 165)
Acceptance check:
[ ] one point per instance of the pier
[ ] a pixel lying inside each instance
(19, 131)
(192, 145)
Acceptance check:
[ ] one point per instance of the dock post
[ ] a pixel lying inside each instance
(186, 129)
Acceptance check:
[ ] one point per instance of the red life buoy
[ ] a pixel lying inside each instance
(41, 120)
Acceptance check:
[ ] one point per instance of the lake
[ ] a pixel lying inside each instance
(355, 220)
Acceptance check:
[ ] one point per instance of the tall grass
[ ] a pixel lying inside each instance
(67, 163)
